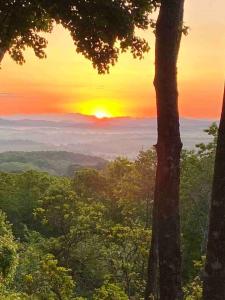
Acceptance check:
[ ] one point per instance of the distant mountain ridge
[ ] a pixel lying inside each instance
(60, 163)
(107, 138)
(39, 123)
(83, 121)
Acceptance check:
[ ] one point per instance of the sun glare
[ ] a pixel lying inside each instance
(101, 114)
(99, 108)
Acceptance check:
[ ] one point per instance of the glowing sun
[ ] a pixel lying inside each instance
(100, 114)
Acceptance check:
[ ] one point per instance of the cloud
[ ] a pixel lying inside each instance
(5, 94)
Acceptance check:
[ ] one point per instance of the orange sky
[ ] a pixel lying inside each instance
(66, 82)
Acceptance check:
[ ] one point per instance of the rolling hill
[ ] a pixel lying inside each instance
(60, 163)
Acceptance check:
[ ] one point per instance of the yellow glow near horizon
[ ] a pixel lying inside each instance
(99, 108)
(100, 114)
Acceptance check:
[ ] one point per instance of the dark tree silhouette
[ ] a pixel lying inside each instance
(214, 275)
(100, 29)
(169, 29)
(21, 21)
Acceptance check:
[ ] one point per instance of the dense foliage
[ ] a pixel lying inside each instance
(21, 22)
(100, 29)
(87, 237)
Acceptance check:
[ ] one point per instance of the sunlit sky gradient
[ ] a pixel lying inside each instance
(66, 82)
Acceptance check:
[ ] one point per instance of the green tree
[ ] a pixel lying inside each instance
(19, 195)
(47, 279)
(193, 290)
(76, 229)
(87, 237)
(8, 252)
(126, 253)
(135, 189)
(39, 274)
(90, 183)
(195, 191)
(110, 291)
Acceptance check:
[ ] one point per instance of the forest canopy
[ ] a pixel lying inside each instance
(87, 236)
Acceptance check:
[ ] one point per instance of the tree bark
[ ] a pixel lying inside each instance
(214, 275)
(168, 37)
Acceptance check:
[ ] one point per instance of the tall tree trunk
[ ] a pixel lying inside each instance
(214, 275)
(168, 37)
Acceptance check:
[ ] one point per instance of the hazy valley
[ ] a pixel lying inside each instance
(107, 138)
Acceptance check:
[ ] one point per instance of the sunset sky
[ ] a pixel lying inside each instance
(66, 82)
